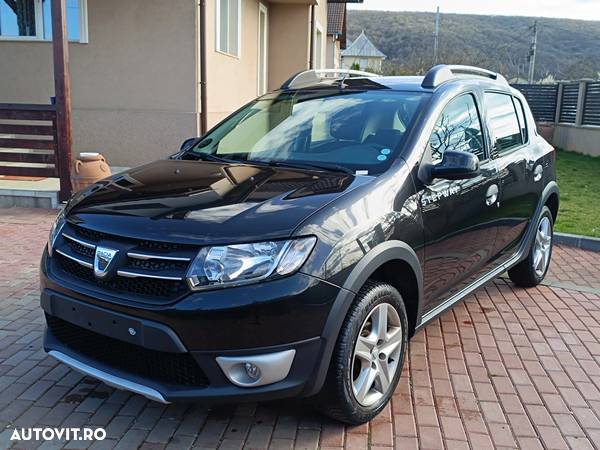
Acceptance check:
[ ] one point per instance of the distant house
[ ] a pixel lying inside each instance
(364, 53)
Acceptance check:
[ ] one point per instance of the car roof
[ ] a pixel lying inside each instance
(402, 83)
(441, 76)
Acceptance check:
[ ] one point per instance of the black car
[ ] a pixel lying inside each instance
(296, 247)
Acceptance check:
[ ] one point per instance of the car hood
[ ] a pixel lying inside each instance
(206, 202)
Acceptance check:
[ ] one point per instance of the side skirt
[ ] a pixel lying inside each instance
(515, 259)
(430, 315)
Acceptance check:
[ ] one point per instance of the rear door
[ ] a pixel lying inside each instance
(459, 231)
(516, 169)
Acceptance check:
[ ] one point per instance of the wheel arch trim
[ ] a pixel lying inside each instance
(393, 250)
(549, 189)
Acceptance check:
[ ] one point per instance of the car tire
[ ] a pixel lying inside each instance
(532, 270)
(346, 396)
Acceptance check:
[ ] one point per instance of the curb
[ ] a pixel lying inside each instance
(575, 240)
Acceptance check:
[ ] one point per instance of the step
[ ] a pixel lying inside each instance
(29, 194)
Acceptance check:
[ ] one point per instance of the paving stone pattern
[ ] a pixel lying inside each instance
(506, 368)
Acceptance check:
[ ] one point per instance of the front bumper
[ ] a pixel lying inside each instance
(276, 316)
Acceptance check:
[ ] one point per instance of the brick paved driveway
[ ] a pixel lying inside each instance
(506, 368)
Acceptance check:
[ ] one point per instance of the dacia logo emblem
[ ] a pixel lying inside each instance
(102, 260)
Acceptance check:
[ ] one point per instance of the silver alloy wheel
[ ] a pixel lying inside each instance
(376, 354)
(543, 243)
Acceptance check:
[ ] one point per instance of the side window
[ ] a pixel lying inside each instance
(521, 116)
(503, 121)
(457, 129)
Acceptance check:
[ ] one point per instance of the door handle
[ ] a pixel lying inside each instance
(491, 195)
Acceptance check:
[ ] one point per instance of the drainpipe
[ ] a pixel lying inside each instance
(311, 58)
(203, 99)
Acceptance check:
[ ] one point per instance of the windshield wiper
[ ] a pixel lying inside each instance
(307, 166)
(209, 157)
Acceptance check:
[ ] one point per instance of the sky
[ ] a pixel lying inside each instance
(572, 9)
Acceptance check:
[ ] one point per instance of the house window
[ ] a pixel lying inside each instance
(229, 26)
(32, 19)
(319, 48)
(18, 18)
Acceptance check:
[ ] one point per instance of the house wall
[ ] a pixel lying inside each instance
(289, 39)
(371, 63)
(135, 91)
(333, 60)
(321, 19)
(132, 95)
(289, 31)
(232, 81)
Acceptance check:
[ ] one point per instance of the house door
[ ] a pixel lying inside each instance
(263, 42)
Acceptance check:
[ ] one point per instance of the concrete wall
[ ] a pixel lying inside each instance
(132, 84)
(581, 139)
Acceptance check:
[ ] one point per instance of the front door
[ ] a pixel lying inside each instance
(458, 215)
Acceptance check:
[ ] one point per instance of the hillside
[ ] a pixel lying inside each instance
(567, 49)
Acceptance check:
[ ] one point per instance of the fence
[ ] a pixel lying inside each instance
(28, 140)
(591, 104)
(575, 103)
(568, 113)
(29, 144)
(542, 99)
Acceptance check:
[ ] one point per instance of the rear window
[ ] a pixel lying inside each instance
(503, 121)
(521, 116)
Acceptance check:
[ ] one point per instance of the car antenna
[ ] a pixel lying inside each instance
(347, 74)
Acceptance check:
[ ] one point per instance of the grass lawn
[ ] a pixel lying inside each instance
(579, 183)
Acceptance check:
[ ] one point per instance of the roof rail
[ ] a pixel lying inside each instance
(444, 72)
(315, 76)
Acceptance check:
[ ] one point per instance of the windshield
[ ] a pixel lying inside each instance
(358, 130)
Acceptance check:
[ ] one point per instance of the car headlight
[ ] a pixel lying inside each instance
(245, 263)
(55, 230)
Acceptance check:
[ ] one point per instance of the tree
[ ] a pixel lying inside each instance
(25, 12)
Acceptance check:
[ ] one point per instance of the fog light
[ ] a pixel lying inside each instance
(257, 370)
(252, 370)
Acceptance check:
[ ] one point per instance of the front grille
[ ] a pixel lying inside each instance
(149, 289)
(144, 271)
(162, 246)
(81, 249)
(158, 264)
(86, 233)
(173, 368)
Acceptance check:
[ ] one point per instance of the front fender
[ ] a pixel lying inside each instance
(375, 258)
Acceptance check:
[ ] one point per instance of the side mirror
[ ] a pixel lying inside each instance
(456, 165)
(187, 143)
